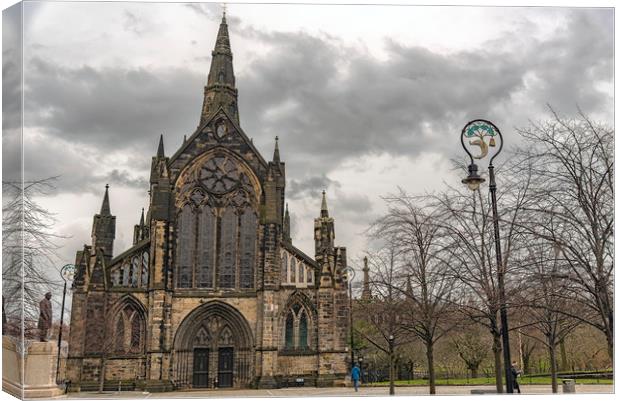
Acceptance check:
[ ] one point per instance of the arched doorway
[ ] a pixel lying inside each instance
(213, 347)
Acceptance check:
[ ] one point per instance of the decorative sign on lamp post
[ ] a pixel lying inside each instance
(481, 136)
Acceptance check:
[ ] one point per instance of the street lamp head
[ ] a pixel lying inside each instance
(391, 337)
(482, 135)
(473, 180)
(67, 272)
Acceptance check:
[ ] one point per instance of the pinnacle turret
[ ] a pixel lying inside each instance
(160, 147)
(324, 212)
(366, 288)
(105, 205)
(276, 153)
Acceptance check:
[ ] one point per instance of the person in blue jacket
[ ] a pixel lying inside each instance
(355, 376)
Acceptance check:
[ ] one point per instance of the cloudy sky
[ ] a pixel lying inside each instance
(363, 98)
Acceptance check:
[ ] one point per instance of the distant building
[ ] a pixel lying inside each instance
(212, 292)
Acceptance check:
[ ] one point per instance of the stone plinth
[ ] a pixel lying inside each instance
(34, 376)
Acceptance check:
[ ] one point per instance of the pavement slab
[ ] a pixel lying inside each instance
(330, 392)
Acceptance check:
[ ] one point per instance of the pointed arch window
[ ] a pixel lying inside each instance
(184, 247)
(144, 275)
(120, 335)
(296, 329)
(217, 224)
(303, 332)
(293, 268)
(285, 268)
(129, 331)
(247, 247)
(227, 249)
(135, 271)
(290, 328)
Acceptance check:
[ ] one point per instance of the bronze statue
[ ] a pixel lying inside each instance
(45, 317)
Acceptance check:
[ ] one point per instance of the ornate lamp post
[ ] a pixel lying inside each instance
(391, 351)
(351, 275)
(360, 361)
(66, 273)
(483, 134)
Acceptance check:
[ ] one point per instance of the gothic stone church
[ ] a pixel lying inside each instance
(212, 293)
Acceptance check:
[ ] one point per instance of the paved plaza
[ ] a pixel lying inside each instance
(334, 392)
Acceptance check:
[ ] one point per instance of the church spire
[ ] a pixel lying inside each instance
(160, 147)
(276, 153)
(366, 288)
(324, 212)
(105, 205)
(220, 90)
(142, 219)
(287, 225)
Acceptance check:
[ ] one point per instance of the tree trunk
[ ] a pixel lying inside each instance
(431, 367)
(554, 370)
(497, 354)
(526, 364)
(474, 373)
(564, 359)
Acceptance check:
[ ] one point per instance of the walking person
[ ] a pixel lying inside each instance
(355, 376)
(514, 369)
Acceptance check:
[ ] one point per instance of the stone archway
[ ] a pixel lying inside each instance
(213, 346)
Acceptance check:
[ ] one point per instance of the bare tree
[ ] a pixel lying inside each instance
(548, 307)
(28, 250)
(411, 229)
(469, 254)
(573, 162)
(470, 346)
(384, 311)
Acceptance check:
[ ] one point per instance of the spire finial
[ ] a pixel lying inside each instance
(324, 212)
(142, 218)
(160, 147)
(276, 153)
(224, 13)
(105, 205)
(366, 287)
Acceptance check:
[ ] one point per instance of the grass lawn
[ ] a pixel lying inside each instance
(488, 380)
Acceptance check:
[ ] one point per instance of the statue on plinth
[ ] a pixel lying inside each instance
(45, 317)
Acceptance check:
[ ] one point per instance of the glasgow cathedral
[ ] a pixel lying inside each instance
(212, 293)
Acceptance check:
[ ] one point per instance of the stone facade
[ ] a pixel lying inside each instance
(212, 293)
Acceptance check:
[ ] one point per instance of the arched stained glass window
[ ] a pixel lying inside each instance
(293, 270)
(136, 333)
(144, 275)
(227, 249)
(116, 277)
(289, 335)
(303, 332)
(135, 271)
(300, 272)
(285, 267)
(247, 248)
(217, 238)
(184, 246)
(125, 273)
(206, 242)
(120, 334)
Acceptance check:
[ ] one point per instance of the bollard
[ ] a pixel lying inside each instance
(568, 386)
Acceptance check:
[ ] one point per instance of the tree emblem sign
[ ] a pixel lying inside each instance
(481, 134)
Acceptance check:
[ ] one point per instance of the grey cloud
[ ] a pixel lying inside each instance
(355, 204)
(327, 101)
(309, 187)
(112, 108)
(416, 98)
